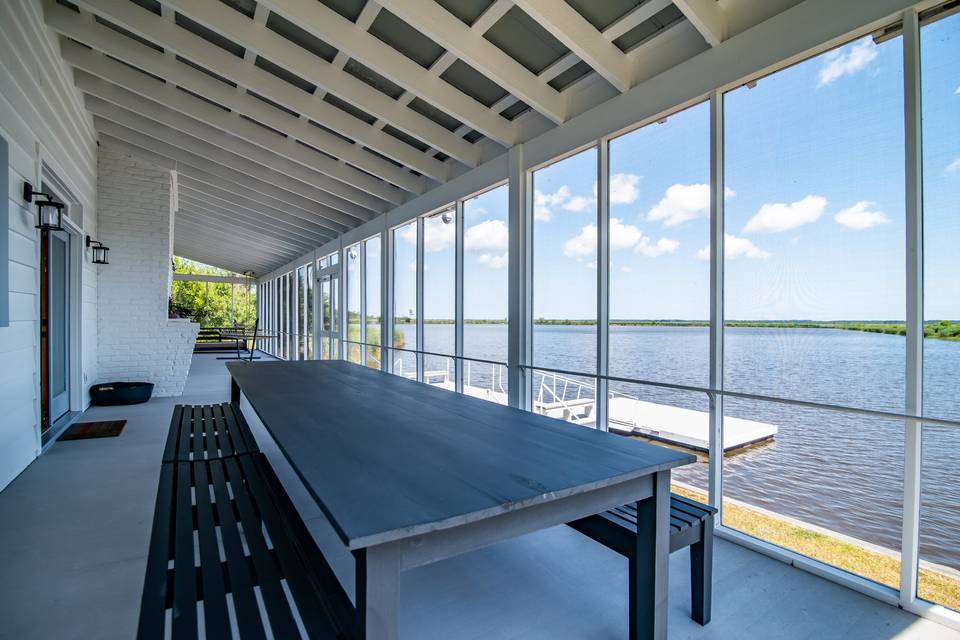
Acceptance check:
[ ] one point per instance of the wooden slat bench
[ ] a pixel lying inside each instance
(691, 525)
(201, 432)
(272, 575)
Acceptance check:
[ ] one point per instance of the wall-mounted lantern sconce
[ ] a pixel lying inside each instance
(99, 251)
(49, 213)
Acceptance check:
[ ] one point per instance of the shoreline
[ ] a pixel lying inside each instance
(948, 330)
(938, 583)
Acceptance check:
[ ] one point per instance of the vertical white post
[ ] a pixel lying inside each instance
(910, 542)
(520, 287)
(458, 298)
(344, 347)
(603, 284)
(716, 301)
(386, 301)
(420, 325)
(362, 275)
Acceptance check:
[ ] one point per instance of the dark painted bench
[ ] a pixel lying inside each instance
(201, 432)
(224, 529)
(691, 525)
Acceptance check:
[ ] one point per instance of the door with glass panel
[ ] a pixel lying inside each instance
(55, 326)
(328, 313)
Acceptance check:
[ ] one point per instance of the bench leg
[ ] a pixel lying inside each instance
(701, 574)
(649, 564)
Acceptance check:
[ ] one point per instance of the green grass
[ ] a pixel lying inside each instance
(883, 568)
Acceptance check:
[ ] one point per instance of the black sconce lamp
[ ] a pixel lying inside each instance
(49, 213)
(99, 251)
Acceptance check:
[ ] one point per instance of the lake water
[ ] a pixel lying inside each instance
(840, 471)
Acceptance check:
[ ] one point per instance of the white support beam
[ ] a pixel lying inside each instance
(635, 18)
(707, 16)
(279, 50)
(339, 32)
(449, 32)
(219, 61)
(341, 212)
(303, 169)
(191, 112)
(93, 63)
(566, 25)
(215, 174)
(913, 401)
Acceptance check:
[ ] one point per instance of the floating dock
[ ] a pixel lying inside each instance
(684, 427)
(630, 416)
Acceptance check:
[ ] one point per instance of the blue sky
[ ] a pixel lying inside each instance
(814, 215)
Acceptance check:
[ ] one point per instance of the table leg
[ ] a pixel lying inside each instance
(649, 564)
(378, 593)
(234, 390)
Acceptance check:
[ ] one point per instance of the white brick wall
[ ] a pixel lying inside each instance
(136, 341)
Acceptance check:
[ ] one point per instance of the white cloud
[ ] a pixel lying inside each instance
(623, 188)
(623, 237)
(663, 245)
(626, 269)
(578, 203)
(412, 266)
(489, 236)
(735, 247)
(543, 203)
(583, 244)
(860, 216)
(777, 217)
(437, 235)
(953, 167)
(847, 60)
(409, 234)
(683, 202)
(957, 92)
(494, 261)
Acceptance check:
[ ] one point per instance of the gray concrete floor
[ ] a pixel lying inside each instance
(74, 529)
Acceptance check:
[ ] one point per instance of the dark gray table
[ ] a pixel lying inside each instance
(409, 474)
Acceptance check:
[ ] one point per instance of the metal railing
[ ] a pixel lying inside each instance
(874, 413)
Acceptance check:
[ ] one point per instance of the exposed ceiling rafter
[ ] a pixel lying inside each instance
(339, 32)
(217, 60)
(566, 25)
(295, 59)
(450, 33)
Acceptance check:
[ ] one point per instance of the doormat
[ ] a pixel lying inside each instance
(84, 430)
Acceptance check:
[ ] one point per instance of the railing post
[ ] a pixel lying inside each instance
(716, 301)
(910, 542)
